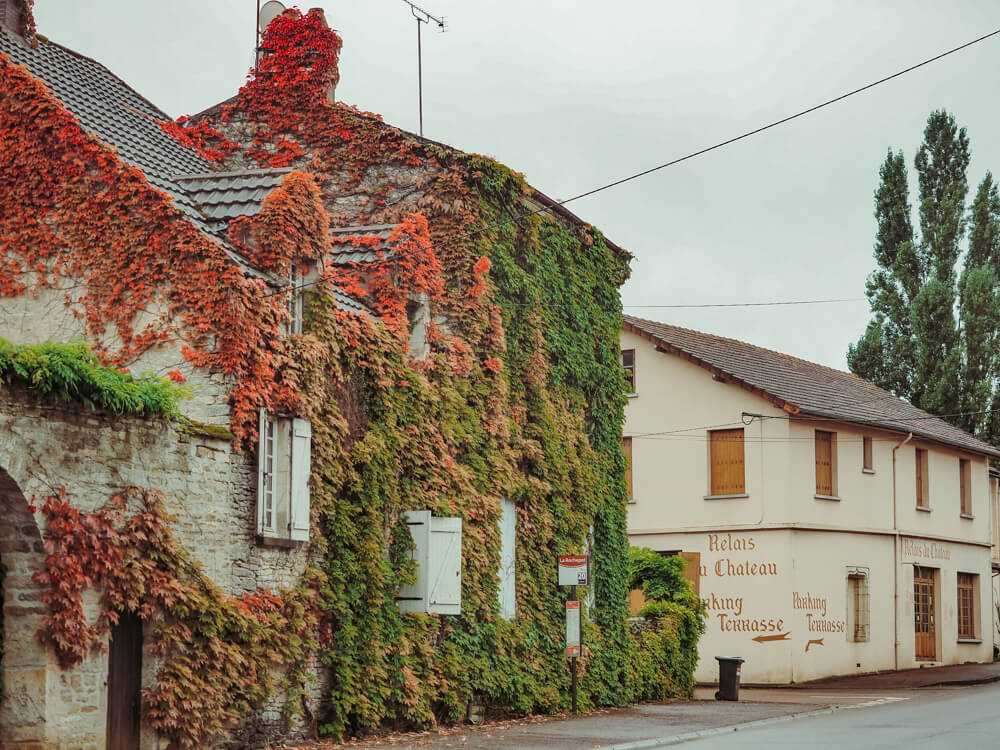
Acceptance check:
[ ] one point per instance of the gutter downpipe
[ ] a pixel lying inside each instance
(895, 553)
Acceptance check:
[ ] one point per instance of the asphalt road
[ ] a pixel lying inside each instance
(946, 719)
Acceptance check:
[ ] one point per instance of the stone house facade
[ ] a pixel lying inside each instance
(831, 527)
(221, 192)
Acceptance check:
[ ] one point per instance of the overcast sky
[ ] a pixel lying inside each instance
(578, 93)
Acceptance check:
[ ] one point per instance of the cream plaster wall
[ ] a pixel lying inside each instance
(779, 599)
(788, 543)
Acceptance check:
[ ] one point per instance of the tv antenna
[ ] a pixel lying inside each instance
(422, 17)
(265, 14)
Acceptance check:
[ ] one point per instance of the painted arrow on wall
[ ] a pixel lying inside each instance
(817, 642)
(777, 637)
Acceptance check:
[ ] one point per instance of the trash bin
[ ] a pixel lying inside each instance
(729, 678)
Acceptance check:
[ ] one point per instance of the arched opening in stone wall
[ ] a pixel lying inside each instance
(25, 664)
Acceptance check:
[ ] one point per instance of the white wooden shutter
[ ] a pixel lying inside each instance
(412, 597)
(444, 596)
(508, 547)
(301, 457)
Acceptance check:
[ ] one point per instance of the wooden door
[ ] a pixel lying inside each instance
(924, 624)
(125, 683)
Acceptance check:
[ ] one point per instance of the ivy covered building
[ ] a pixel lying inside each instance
(240, 352)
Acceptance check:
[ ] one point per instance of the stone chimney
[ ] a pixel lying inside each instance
(331, 92)
(15, 15)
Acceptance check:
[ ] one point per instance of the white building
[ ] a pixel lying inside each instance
(835, 528)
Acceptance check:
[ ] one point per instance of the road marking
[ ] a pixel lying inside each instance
(658, 742)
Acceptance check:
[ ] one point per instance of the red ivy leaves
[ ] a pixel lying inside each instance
(216, 650)
(203, 138)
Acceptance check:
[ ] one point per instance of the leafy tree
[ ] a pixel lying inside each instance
(914, 345)
(979, 310)
(885, 353)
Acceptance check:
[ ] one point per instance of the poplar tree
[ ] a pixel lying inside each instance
(914, 346)
(979, 310)
(885, 353)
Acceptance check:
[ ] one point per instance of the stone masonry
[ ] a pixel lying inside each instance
(210, 490)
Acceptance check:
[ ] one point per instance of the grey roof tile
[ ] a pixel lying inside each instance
(816, 390)
(343, 252)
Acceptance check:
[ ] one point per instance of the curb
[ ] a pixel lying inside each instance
(958, 683)
(658, 742)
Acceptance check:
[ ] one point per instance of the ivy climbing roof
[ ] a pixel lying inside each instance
(111, 110)
(343, 251)
(223, 196)
(802, 387)
(116, 114)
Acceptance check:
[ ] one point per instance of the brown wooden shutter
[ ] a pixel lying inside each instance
(867, 446)
(627, 450)
(728, 475)
(824, 463)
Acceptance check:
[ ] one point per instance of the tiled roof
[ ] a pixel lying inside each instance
(111, 110)
(222, 196)
(343, 251)
(812, 389)
(107, 107)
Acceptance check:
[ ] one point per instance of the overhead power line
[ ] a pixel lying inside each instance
(702, 151)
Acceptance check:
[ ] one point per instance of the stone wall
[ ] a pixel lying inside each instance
(210, 490)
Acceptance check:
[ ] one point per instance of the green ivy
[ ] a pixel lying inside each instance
(72, 373)
(544, 432)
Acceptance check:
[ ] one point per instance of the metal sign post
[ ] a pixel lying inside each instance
(573, 571)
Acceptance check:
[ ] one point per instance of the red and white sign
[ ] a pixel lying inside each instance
(573, 628)
(572, 570)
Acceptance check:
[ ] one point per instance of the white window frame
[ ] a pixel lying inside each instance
(295, 282)
(858, 610)
(284, 459)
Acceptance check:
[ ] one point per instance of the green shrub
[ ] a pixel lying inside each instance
(72, 372)
(664, 652)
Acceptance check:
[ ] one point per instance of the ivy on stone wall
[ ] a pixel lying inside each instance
(520, 397)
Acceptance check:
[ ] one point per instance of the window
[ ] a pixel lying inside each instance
(627, 450)
(508, 555)
(995, 515)
(628, 364)
(726, 467)
(295, 299)
(967, 585)
(965, 486)
(866, 455)
(857, 605)
(923, 496)
(283, 465)
(826, 464)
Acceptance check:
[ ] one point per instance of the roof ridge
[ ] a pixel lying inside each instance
(250, 172)
(753, 346)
